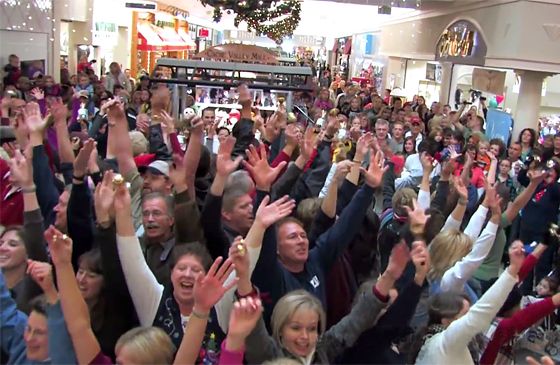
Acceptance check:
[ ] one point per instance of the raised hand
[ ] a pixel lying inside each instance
(342, 169)
(59, 111)
(400, 255)
(427, 161)
(33, 118)
(178, 173)
(417, 218)
(536, 176)
(122, 199)
(41, 273)
(374, 174)
(293, 135)
(333, 124)
(244, 96)
(268, 214)
(271, 129)
(260, 170)
(104, 198)
(355, 133)
(114, 109)
(421, 259)
(81, 161)
(545, 360)
(143, 123)
(492, 199)
(460, 188)
(209, 288)
(21, 171)
(243, 319)
(92, 166)
(239, 257)
(307, 144)
(362, 146)
(37, 93)
(224, 164)
(167, 122)
(453, 155)
(197, 127)
(516, 257)
(60, 246)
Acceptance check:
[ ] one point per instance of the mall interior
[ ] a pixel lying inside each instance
(294, 182)
(402, 49)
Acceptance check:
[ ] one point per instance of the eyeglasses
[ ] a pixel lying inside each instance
(153, 213)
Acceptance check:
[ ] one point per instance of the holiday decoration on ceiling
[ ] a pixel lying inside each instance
(274, 19)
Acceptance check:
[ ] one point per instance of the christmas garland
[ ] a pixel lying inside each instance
(258, 13)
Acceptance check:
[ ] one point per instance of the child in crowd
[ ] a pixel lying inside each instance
(482, 158)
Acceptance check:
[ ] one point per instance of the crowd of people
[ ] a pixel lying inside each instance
(382, 233)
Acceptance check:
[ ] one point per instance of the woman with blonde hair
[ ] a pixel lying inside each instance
(453, 323)
(453, 255)
(299, 323)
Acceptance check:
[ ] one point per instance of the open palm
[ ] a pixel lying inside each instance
(374, 174)
(244, 317)
(209, 288)
(224, 164)
(260, 170)
(33, 118)
(268, 214)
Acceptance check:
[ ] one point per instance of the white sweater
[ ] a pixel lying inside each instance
(456, 276)
(451, 345)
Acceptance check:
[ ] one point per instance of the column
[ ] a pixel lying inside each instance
(133, 36)
(445, 86)
(529, 101)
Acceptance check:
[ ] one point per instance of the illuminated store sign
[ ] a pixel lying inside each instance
(461, 43)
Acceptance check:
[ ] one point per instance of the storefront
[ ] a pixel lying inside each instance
(474, 46)
(365, 63)
(163, 32)
(340, 56)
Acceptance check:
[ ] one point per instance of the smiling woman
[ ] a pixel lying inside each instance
(13, 257)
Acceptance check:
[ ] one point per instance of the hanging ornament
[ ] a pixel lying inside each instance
(275, 19)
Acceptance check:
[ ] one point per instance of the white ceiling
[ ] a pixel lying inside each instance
(318, 17)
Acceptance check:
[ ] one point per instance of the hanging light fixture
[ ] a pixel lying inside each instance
(274, 19)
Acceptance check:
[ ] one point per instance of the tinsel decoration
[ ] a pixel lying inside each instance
(261, 16)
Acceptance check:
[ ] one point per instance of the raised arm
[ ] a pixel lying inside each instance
(364, 314)
(463, 270)
(287, 180)
(80, 217)
(456, 217)
(461, 331)
(331, 244)
(424, 193)
(119, 139)
(211, 216)
(536, 177)
(74, 307)
(61, 350)
(22, 175)
(491, 178)
(519, 322)
(59, 112)
(328, 206)
(142, 284)
(207, 291)
(12, 324)
(47, 194)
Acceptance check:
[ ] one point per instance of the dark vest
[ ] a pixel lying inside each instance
(168, 318)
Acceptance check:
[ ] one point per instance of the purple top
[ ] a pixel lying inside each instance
(228, 357)
(101, 359)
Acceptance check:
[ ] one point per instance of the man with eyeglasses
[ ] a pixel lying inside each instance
(159, 236)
